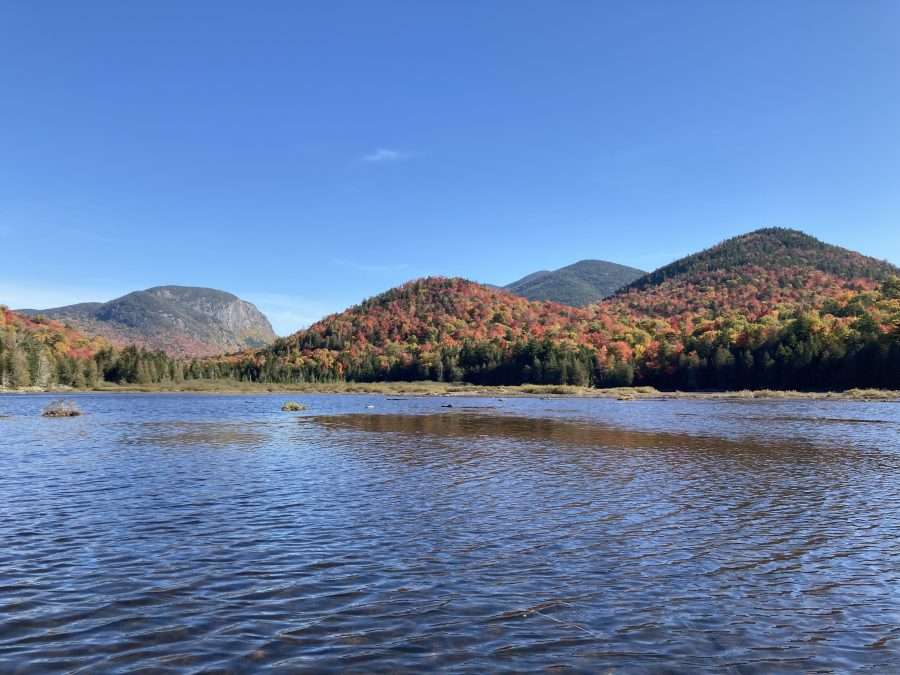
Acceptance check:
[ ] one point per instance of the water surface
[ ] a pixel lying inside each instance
(176, 533)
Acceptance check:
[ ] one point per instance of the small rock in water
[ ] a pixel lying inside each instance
(293, 406)
(61, 409)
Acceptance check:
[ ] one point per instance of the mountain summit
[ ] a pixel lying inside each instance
(771, 248)
(752, 274)
(773, 308)
(180, 320)
(577, 285)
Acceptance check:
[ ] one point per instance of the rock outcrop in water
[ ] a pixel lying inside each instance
(61, 409)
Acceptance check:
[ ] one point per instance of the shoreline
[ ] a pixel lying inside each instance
(225, 387)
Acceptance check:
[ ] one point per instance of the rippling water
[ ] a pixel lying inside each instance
(218, 534)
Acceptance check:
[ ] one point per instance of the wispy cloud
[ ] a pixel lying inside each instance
(382, 155)
(366, 267)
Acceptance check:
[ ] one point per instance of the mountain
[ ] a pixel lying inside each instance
(432, 328)
(180, 320)
(771, 248)
(579, 284)
(773, 308)
(755, 273)
(428, 328)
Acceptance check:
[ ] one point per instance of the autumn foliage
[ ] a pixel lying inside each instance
(772, 309)
(775, 308)
(39, 352)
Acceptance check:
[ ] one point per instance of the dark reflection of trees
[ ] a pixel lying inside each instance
(556, 432)
(730, 487)
(752, 466)
(740, 486)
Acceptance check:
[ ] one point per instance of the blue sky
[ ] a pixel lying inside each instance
(306, 155)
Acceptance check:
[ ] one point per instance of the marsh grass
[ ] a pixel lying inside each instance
(426, 388)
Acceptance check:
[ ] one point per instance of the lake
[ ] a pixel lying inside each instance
(180, 533)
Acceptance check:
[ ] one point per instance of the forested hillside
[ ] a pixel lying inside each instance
(435, 328)
(772, 248)
(753, 274)
(40, 352)
(773, 309)
(852, 340)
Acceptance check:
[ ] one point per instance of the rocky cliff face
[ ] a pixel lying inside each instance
(180, 320)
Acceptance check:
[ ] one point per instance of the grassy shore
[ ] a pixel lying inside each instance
(460, 389)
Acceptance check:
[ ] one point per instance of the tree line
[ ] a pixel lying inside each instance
(850, 341)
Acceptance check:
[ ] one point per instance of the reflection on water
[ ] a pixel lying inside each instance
(536, 429)
(202, 434)
(198, 533)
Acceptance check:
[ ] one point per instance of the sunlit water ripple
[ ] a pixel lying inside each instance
(217, 534)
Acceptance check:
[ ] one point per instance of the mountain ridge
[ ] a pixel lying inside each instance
(183, 321)
(770, 309)
(772, 247)
(753, 273)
